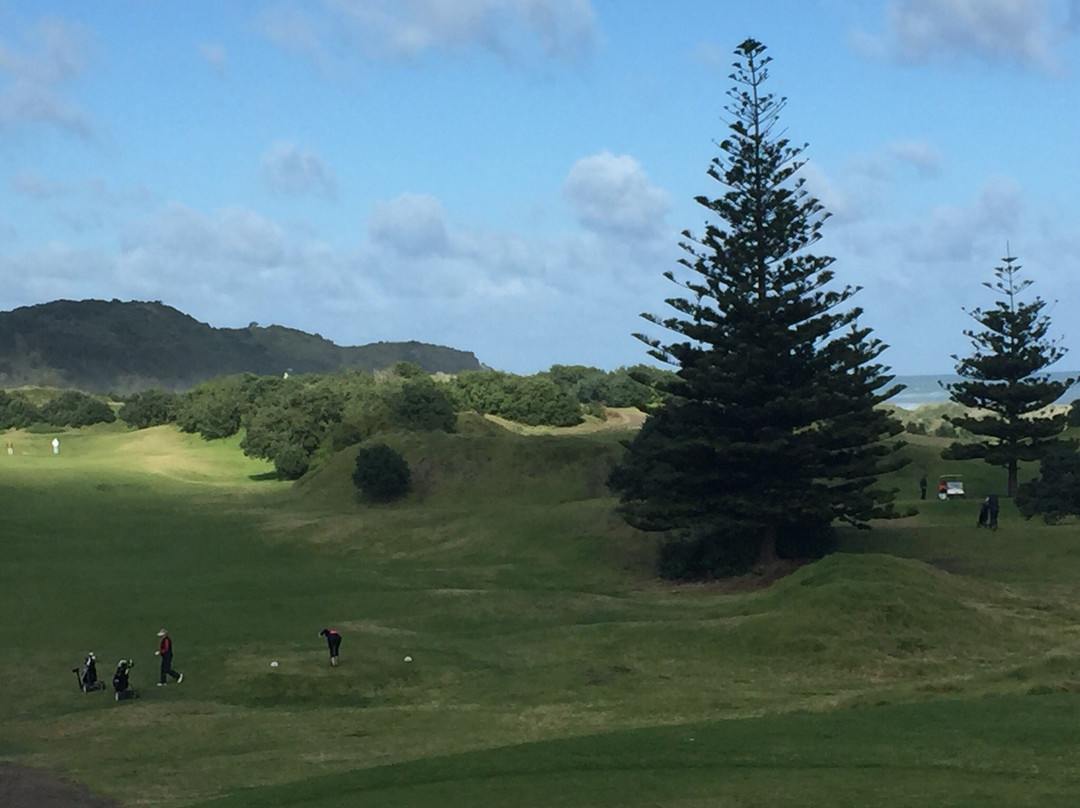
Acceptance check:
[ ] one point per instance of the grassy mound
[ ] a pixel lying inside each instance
(484, 462)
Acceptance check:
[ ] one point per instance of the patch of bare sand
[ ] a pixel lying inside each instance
(615, 419)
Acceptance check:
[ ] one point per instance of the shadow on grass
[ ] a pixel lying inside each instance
(266, 475)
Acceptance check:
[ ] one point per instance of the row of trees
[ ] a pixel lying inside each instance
(70, 408)
(770, 430)
(293, 421)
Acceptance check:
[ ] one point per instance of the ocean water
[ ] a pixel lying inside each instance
(928, 389)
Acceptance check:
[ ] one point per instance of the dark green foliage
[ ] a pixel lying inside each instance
(420, 404)
(288, 427)
(16, 410)
(1074, 413)
(381, 473)
(1055, 493)
(291, 461)
(531, 400)
(408, 370)
(1005, 378)
(726, 550)
(537, 401)
(623, 387)
(149, 408)
(364, 416)
(213, 409)
(131, 346)
(716, 553)
(74, 408)
(772, 425)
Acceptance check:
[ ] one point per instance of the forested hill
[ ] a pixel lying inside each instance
(124, 347)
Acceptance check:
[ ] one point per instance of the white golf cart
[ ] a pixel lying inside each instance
(950, 486)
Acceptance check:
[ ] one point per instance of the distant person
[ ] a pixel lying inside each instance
(943, 490)
(165, 651)
(10, 448)
(993, 506)
(984, 513)
(333, 642)
(922, 487)
(121, 681)
(56, 445)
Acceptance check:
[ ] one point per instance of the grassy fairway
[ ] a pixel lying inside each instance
(928, 664)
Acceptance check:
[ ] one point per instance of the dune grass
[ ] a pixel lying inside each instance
(926, 663)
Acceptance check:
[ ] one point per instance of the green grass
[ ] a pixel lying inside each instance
(928, 663)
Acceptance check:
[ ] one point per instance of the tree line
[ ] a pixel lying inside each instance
(294, 421)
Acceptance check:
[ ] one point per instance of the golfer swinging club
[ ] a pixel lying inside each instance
(165, 652)
(333, 642)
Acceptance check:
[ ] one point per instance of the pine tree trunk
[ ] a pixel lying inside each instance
(768, 556)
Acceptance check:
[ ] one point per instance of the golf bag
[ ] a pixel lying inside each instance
(121, 681)
(87, 674)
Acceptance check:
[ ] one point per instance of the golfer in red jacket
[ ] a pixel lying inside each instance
(165, 652)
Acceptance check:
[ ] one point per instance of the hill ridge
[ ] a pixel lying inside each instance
(125, 346)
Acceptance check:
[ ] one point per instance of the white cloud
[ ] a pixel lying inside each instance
(411, 224)
(215, 55)
(512, 29)
(925, 157)
(289, 169)
(79, 204)
(611, 194)
(294, 29)
(32, 184)
(956, 233)
(863, 183)
(514, 300)
(235, 236)
(58, 52)
(994, 30)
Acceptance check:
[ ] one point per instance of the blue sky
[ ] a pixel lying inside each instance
(510, 177)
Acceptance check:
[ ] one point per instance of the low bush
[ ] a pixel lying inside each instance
(381, 473)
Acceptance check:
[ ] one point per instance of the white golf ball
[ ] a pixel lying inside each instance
(273, 664)
(408, 659)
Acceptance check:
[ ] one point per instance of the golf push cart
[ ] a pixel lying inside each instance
(87, 675)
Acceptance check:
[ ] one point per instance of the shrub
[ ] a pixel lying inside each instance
(1056, 492)
(74, 408)
(381, 473)
(17, 411)
(422, 405)
(212, 409)
(149, 408)
(291, 461)
(1074, 413)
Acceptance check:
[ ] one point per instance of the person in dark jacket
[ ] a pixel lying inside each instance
(165, 651)
(121, 681)
(993, 508)
(333, 641)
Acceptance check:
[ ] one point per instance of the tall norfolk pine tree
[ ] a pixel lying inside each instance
(1002, 379)
(771, 429)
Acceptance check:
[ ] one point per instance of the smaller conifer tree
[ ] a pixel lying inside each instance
(1004, 384)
